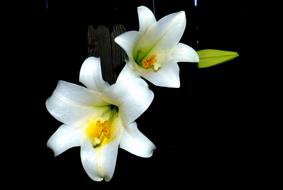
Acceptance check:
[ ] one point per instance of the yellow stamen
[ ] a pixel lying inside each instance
(98, 132)
(150, 61)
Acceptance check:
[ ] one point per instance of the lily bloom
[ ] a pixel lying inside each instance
(99, 119)
(154, 50)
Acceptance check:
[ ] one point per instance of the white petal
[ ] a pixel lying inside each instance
(70, 103)
(136, 143)
(91, 76)
(165, 34)
(132, 97)
(167, 76)
(64, 138)
(127, 41)
(78, 94)
(173, 26)
(184, 53)
(127, 73)
(99, 163)
(146, 18)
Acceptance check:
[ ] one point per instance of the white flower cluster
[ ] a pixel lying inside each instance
(100, 117)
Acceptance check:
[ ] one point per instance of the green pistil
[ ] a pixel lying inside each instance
(141, 55)
(114, 111)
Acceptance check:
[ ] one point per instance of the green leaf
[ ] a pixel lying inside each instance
(211, 57)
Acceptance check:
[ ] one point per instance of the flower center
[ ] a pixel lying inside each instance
(147, 60)
(101, 131)
(98, 131)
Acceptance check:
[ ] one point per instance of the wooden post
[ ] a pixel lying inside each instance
(101, 44)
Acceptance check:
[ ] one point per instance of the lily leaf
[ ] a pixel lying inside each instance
(211, 57)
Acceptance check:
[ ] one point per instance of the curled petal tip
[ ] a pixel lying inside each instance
(55, 153)
(152, 151)
(142, 7)
(182, 13)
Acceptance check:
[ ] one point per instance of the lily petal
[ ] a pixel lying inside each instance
(64, 138)
(173, 26)
(70, 103)
(91, 76)
(79, 94)
(184, 53)
(136, 143)
(99, 163)
(127, 41)
(165, 34)
(167, 76)
(132, 96)
(146, 18)
(127, 73)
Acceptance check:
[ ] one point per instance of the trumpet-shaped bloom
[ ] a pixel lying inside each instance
(154, 50)
(99, 119)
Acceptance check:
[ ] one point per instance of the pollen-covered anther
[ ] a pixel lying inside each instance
(106, 129)
(150, 61)
(98, 131)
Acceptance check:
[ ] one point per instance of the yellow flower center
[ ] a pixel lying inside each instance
(99, 132)
(101, 129)
(149, 62)
(146, 59)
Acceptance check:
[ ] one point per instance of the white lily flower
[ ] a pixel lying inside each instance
(154, 50)
(99, 119)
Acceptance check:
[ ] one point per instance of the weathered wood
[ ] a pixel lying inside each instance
(101, 44)
(92, 43)
(118, 54)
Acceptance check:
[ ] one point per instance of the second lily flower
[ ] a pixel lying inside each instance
(154, 51)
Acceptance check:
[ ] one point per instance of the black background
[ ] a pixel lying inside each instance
(203, 131)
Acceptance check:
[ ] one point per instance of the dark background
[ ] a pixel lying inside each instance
(203, 131)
